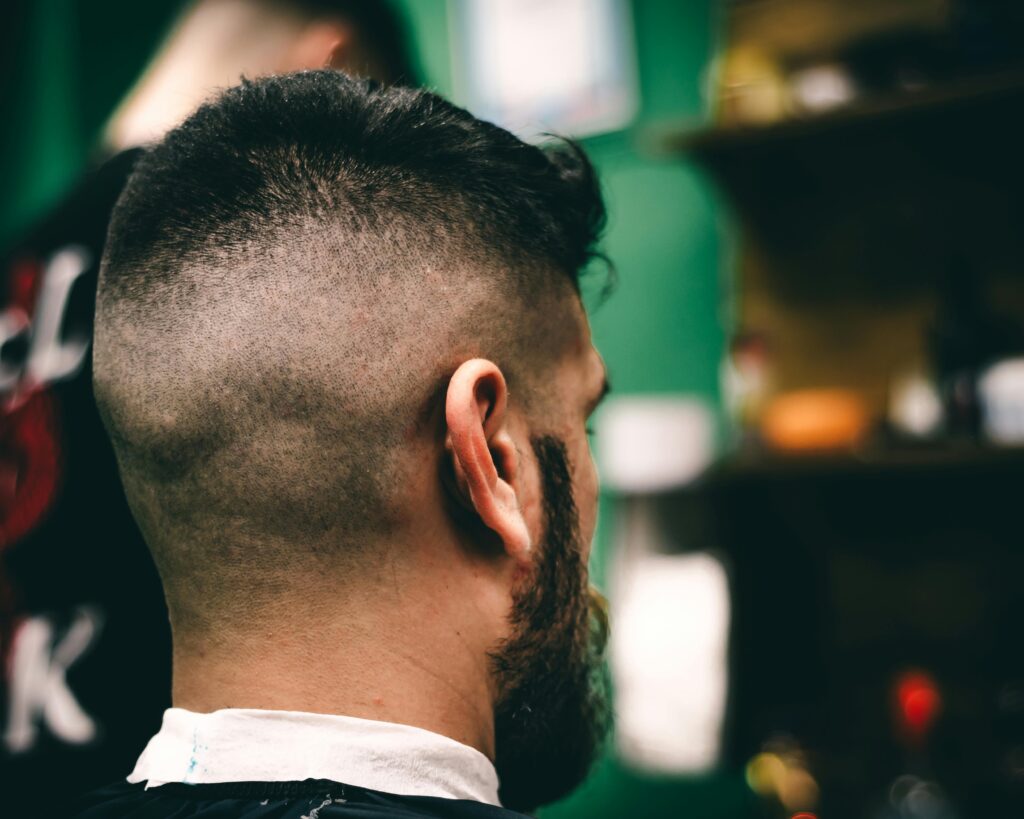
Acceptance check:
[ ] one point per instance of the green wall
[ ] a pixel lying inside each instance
(660, 331)
(66, 65)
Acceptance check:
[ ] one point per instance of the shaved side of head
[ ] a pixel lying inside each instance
(290, 277)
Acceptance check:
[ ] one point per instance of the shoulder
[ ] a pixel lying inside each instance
(282, 800)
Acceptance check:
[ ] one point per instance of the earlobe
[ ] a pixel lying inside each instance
(483, 454)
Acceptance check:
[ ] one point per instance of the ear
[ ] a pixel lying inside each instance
(323, 44)
(340, 55)
(484, 458)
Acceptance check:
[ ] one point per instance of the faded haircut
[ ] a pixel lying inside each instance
(290, 278)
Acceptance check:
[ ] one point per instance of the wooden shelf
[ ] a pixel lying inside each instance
(879, 197)
(951, 99)
(938, 461)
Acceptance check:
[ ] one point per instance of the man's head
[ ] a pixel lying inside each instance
(339, 342)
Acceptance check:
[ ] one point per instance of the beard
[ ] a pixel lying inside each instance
(553, 712)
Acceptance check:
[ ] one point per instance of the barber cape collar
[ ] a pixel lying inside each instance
(249, 745)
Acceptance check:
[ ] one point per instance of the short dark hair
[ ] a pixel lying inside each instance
(319, 145)
(289, 275)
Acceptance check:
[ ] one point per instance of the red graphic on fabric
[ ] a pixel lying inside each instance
(30, 456)
(29, 453)
(26, 278)
(29, 466)
(29, 450)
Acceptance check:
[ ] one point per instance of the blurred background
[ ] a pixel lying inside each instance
(812, 460)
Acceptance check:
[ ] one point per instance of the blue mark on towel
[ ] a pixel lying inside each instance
(193, 761)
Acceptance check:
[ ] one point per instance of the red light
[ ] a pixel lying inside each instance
(804, 816)
(919, 701)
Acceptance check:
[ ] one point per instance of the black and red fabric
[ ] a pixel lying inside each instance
(83, 627)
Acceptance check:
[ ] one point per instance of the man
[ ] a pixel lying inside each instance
(342, 358)
(84, 641)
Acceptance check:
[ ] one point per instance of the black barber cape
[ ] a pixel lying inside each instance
(311, 799)
(84, 639)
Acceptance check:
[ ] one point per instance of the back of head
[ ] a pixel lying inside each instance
(290, 276)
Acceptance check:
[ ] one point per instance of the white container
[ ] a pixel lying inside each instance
(653, 443)
(1001, 390)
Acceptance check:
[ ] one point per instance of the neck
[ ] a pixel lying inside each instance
(211, 47)
(383, 655)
